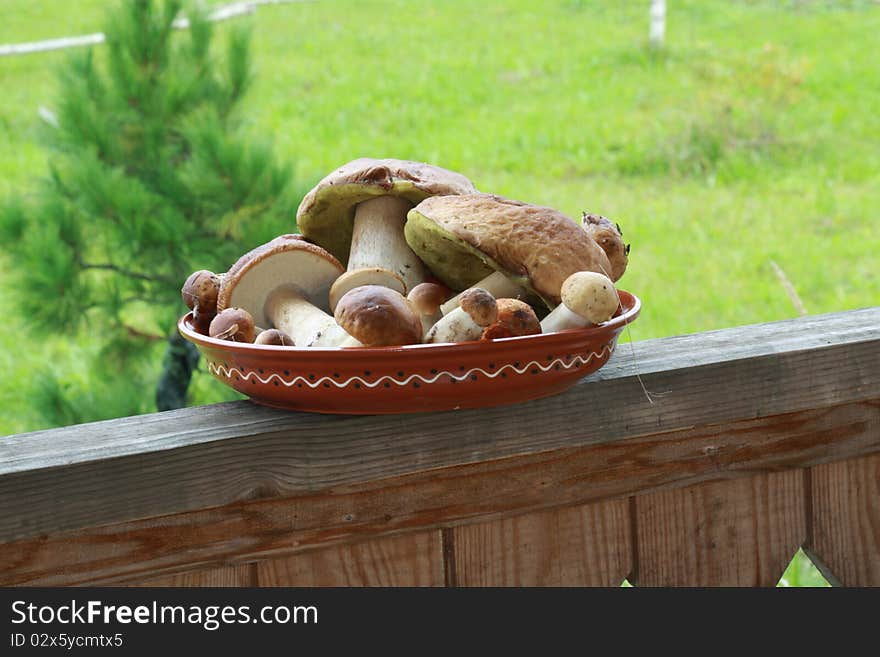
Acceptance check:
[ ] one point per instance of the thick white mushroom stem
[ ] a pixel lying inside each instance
(561, 318)
(457, 326)
(378, 240)
(496, 284)
(308, 325)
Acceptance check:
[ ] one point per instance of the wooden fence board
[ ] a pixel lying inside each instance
(845, 515)
(167, 463)
(200, 495)
(742, 532)
(240, 575)
(586, 545)
(410, 560)
(442, 497)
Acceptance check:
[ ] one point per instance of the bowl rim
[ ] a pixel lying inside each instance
(618, 321)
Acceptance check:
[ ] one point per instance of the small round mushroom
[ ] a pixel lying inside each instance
(284, 284)
(199, 293)
(274, 337)
(587, 298)
(609, 236)
(233, 324)
(515, 318)
(378, 317)
(358, 213)
(476, 311)
(427, 298)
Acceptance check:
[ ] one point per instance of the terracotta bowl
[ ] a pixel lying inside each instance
(412, 378)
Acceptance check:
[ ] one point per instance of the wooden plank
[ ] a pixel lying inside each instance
(845, 521)
(249, 531)
(409, 560)
(587, 545)
(167, 463)
(742, 532)
(240, 575)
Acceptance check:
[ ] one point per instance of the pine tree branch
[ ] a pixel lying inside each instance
(127, 272)
(137, 333)
(142, 299)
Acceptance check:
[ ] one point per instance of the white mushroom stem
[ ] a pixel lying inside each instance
(308, 325)
(457, 326)
(561, 318)
(378, 240)
(496, 284)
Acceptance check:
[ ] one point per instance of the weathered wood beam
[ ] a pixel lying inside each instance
(443, 497)
(235, 482)
(165, 463)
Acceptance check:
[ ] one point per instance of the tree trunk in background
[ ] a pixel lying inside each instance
(181, 358)
(658, 23)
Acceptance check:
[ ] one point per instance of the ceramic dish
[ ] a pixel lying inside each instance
(413, 378)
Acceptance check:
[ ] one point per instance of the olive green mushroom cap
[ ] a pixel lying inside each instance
(326, 214)
(462, 239)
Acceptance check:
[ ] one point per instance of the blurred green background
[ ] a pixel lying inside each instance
(746, 150)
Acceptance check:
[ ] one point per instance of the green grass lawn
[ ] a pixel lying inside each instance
(752, 139)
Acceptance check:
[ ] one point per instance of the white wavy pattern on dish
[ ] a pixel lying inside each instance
(228, 372)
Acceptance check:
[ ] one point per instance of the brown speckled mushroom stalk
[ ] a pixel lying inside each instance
(358, 213)
(609, 236)
(587, 298)
(233, 324)
(378, 317)
(515, 318)
(476, 311)
(284, 284)
(427, 298)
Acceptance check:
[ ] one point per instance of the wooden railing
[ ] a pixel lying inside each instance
(759, 440)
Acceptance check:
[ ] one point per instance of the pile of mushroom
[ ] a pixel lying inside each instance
(394, 252)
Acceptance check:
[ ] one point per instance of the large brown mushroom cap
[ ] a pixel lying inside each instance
(326, 214)
(285, 260)
(462, 239)
(378, 317)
